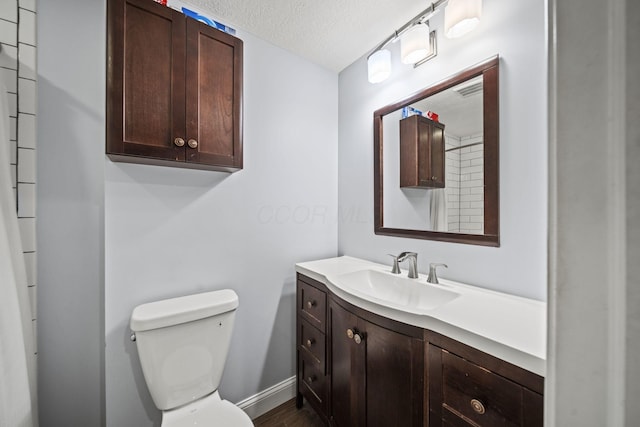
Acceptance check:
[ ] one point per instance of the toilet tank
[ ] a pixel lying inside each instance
(183, 344)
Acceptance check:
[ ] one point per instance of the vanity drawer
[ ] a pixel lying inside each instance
(312, 304)
(312, 382)
(481, 396)
(312, 343)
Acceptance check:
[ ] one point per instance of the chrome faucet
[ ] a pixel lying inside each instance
(433, 278)
(413, 263)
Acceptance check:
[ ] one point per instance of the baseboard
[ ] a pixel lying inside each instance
(269, 399)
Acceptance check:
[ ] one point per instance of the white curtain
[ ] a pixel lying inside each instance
(438, 209)
(17, 360)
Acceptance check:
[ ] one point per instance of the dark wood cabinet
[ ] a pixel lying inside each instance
(471, 388)
(376, 371)
(174, 89)
(422, 153)
(347, 368)
(357, 369)
(311, 343)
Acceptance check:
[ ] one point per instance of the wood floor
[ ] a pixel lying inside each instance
(287, 415)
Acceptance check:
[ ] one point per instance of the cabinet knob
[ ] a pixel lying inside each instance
(311, 304)
(350, 333)
(179, 142)
(357, 338)
(311, 378)
(192, 143)
(434, 178)
(477, 406)
(310, 342)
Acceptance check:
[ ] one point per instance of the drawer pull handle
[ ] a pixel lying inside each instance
(310, 342)
(357, 338)
(311, 304)
(311, 378)
(350, 333)
(179, 142)
(477, 406)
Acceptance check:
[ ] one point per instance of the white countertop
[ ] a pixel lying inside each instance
(508, 327)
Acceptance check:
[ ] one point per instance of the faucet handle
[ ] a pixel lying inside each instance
(433, 277)
(396, 268)
(404, 255)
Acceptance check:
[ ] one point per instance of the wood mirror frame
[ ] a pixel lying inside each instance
(491, 124)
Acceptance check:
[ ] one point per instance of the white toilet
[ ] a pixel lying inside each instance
(183, 344)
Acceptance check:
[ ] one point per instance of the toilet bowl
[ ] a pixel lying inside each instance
(208, 411)
(182, 345)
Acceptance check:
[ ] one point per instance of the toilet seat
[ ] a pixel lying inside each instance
(210, 411)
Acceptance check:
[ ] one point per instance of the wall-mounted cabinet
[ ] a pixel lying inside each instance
(422, 163)
(174, 89)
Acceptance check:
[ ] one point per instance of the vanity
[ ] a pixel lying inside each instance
(378, 349)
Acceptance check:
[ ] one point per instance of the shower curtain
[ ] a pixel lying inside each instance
(17, 360)
(438, 209)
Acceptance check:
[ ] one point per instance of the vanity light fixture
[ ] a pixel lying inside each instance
(379, 65)
(418, 42)
(414, 44)
(461, 17)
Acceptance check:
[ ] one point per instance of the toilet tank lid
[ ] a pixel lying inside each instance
(174, 311)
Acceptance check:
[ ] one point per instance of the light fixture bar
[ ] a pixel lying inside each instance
(433, 50)
(421, 17)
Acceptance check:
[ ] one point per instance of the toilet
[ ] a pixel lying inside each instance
(183, 344)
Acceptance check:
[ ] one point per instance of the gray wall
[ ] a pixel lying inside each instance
(632, 107)
(593, 377)
(516, 31)
(71, 39)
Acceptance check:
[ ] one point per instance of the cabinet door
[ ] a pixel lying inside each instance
(394, 378)
(430, 153)
(214, 96)
(376, 380)
(145, 80)
(437, 155)
(347, 369)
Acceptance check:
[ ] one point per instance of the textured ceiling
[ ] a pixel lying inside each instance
(332, 33)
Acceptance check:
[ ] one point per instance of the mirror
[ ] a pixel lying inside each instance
(436, 175)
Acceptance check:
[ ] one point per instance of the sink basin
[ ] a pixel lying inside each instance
(414, 295)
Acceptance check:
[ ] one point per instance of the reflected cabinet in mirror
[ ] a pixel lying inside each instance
(436, 161)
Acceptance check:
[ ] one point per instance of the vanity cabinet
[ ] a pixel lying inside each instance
(174, 89)
(357, 369)
(376, 369)
(422, 153)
